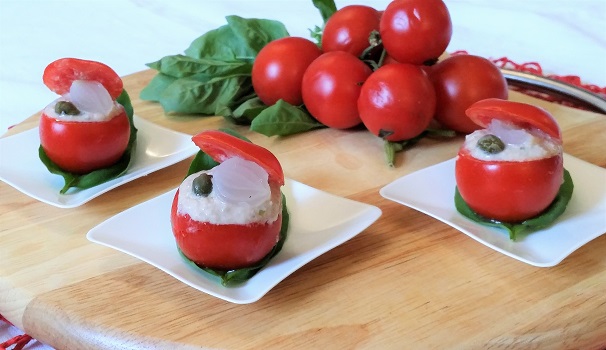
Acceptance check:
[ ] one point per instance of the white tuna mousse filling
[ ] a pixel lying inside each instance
(91, 99)
(240, 195)
(520, 144)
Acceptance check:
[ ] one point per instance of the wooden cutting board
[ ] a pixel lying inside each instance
(408, 281)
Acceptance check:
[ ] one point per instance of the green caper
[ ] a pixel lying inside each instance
(66, 108)
(491, 144)
(202, 185)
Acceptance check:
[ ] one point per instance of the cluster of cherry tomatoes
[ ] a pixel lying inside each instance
(379, 68)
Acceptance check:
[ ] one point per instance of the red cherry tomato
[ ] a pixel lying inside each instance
(60, 74)
(510, 191)
(223, 247)
(278, 69)
(228, 246)
(416, 31)
(349, 28)
(397, 102)
(459, 82)
(523, 115)
(221, 146)
(331, 86)
(81, 147)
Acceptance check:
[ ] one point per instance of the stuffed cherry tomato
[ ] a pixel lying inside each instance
(230, 216)
(85, 129)
(511, 170)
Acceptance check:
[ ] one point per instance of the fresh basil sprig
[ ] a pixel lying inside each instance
(99, 176)
(203, 161)
(214, 75)
(557, 207)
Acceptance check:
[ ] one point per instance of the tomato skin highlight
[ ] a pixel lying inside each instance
(460, 81)
(81, 147)
(397, 102)
(223, 247)
(331, 87)
(279, 67)
(60, 74)
(349, 29)
(221, 146)
(415, 31)
(508, 191)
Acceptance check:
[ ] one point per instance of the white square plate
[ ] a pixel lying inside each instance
(20, 167)
(318, 222)
(431, 191)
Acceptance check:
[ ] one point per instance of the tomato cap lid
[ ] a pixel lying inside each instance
(221, 146)
(60, 74)
(523, 115)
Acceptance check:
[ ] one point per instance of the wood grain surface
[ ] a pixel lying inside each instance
(408, 281)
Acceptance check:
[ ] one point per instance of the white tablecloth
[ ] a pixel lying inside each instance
(565, 37)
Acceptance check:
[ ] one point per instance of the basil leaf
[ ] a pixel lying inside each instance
(283, 119)
(245, 113)
(327, 8)
(546, 219)
(214, 75)
(249, 110)
(153, 90)
(239, 39)
(192, 96)
(203, 161)
(99, 176)
(180, 66)
(254, 34)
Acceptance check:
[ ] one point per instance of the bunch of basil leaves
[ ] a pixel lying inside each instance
(203, 161)
(213, 77)
(99, 176)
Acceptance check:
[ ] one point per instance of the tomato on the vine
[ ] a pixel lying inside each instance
(279, 67)
(349, 29)
(510, 190)
(397, 102)
(331, 86)
(416, 31)
(81, 146)
(459, 82)
(228, 246)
